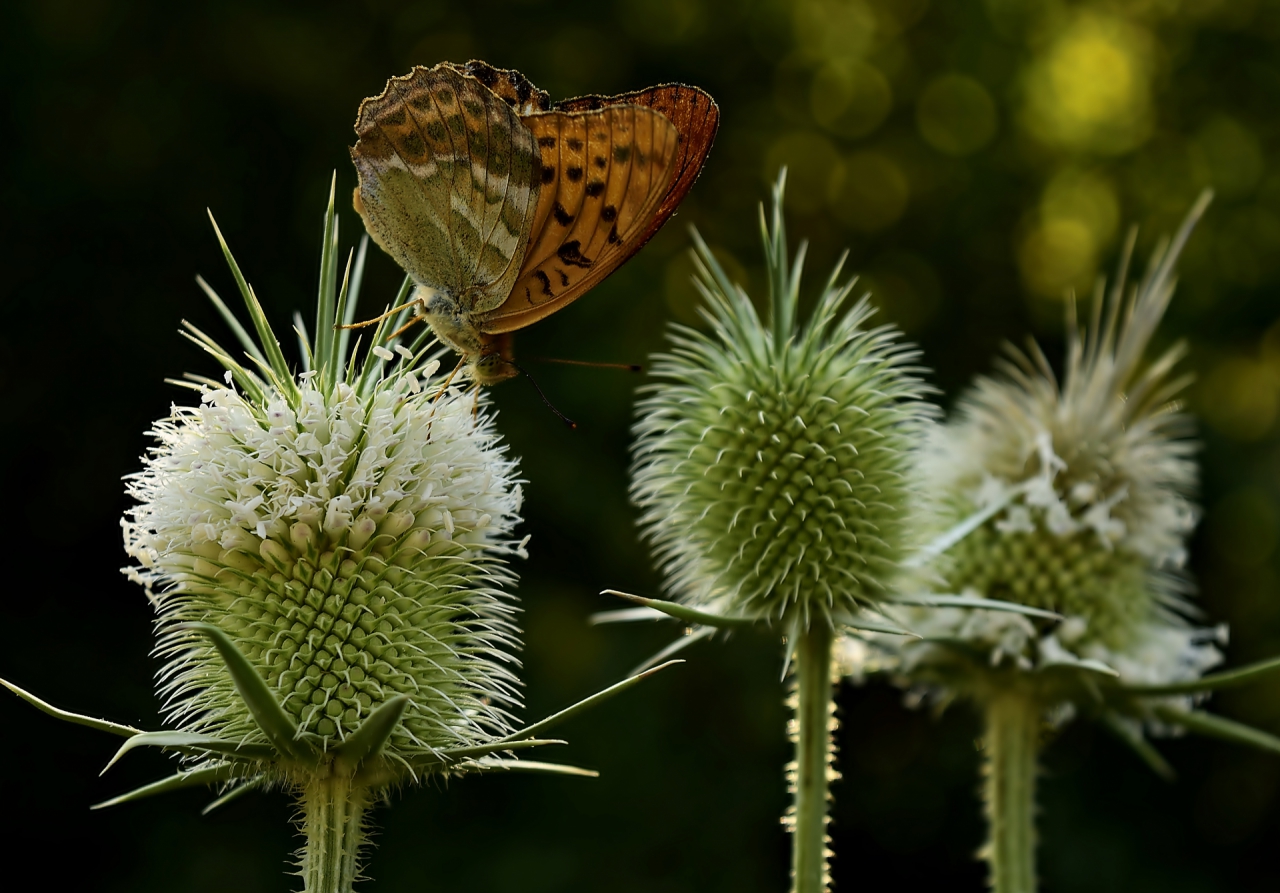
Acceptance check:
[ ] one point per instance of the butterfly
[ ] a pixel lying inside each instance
(503, 208)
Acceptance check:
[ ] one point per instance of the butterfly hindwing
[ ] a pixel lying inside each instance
(604, 174)
(447, 183)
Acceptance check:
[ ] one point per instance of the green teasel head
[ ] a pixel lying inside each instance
(346, 531)
(772, 458)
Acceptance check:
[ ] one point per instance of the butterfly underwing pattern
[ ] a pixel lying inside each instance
(504, 208)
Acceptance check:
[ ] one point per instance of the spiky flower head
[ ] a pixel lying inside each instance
(1082, 490)
(771, 458)
(344, 530)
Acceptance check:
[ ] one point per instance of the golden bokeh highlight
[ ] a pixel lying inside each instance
(850, 98)
(1091, 89)
(956, 115)
(1057, 255)
(1231, 155)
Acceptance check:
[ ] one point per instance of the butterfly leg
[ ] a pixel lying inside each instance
(391, 312)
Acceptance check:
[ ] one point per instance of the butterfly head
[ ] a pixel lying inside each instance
(495, 361)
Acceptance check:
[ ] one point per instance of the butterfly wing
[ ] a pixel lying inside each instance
(696, 118)
(614, 169)
(509, 85)
(447, 183)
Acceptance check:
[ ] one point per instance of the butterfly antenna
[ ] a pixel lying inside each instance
(629, 367)
(369, 322)
(560, 415)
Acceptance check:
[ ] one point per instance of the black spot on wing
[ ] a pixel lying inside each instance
(564, 277)
(571, 253)
(547, 142)
(546, 283)
(595, 188)
(600, 161)
(563, 217)
(609, 214)
(575, 144)
(548, 174)
(574, 174)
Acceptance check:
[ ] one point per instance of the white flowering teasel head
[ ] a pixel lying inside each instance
(1087, 483)
(771, 457)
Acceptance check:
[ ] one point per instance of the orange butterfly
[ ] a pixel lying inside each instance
(503, 208)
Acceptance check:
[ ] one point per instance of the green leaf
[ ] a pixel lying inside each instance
(194, 778)
(1212, 682)
(277, 725)
(266, 337)
(250, 346)
(626, 615)
(680, 644)
(1218, 727)
(866, 624)
(949, 538)
(1140, 745)
(682, 612)
(347, 311)
(191, 743)
(373, 734)
(586, 703)
(234, 794)
(101, 725)
(463, 754)
(492, 763)
(326, 337)
(972, 601)
(1067, 663)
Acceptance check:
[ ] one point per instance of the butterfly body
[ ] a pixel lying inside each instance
(503, 208)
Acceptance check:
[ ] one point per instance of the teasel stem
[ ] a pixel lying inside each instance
(1012, 746)
(333, 821)
(815, 752)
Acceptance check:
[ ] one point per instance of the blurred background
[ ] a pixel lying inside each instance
(978, 159)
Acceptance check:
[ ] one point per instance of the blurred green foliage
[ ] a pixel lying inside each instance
(977, 159)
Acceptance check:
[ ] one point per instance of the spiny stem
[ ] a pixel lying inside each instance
(1012, 744)
(333, 821)
(814, 754)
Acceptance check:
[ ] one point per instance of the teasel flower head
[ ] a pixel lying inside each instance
(771, 458)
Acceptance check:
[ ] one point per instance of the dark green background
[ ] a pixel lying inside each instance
(969, 202)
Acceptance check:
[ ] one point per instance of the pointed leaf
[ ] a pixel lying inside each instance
(196, 777)
(1140, 745)
(101, 725)
(490, 763)
(866, 624)
(1068, 663)
(626, 615)
(1212, 682)
(697, 635)
(235, 793)
(948, 539)
(250, 346)
(266, 337)
(373, 734)
(326, 337)
(683, 612)
(1218, 727)
(973, 601)
(348, 310)
(586, 703)
(189, 742)
(462, 754)
(277, 725)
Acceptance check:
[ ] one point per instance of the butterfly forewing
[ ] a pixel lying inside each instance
(447, 183)
(603, 176)
(696, 118)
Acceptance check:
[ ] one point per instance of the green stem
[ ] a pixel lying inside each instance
(814, 753)
(1012, 744)
(333, 821)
